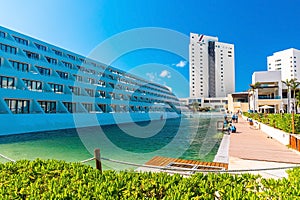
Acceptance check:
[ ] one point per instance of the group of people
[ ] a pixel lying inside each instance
(228, 124)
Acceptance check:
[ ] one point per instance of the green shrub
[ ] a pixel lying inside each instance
(52, 179)
(280, 121)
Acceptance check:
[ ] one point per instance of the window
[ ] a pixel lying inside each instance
(78, 78)
(8, 49)
(68, 65)
(57, 88)
(7, 82)
(48, 106)
(88, 106)
(71, 107)
(63, 75)
(101, 83)
(71, 56)
(102, 94)
(21, 40)
(44, 71)
(59, 53)
(91, 80)
(24, 67)
(94, 64)
(75, 90)
(41, 47)
(33, 85)
(32, 55)
(90, 92)
(2, 34)
(18, 106)
(51, 60)
(81, 68)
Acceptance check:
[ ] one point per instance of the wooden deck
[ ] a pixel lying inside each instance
(188, 164)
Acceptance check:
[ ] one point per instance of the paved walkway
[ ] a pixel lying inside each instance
(250, 148)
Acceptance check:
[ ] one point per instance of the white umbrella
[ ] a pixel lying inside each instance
(266, 107)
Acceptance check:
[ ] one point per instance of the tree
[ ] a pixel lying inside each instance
(294, 86)
(195, 106)
(288, 84)
(297, 100)
(253, 88)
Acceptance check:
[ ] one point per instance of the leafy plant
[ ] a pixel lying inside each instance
(53, 179)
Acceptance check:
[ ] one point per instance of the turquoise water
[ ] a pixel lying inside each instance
(187, 138)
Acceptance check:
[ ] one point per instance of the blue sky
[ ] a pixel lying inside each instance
(256, 28)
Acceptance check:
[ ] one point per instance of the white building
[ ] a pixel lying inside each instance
(212, 67)
(286, 61)
(272, 93)
(44, 87)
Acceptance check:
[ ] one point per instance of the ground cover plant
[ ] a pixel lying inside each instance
(52, 179)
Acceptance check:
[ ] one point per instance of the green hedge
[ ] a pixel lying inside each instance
(52, 179)
(280, 121)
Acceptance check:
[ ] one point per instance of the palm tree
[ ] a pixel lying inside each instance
(288, 84)
(253, 89)
(195, 106)
(297, 103)
(294, 86)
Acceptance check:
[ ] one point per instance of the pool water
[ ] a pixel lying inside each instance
(193, 138)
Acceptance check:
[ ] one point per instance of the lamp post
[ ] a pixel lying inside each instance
(293, 120)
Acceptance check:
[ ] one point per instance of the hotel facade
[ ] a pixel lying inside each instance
(273, 93)
(44, 87)
(212, 67)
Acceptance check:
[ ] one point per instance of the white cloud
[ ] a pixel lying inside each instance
(151, 76)
(181, 63)
(165, 73)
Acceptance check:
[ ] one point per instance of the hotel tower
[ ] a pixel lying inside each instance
(211, 67)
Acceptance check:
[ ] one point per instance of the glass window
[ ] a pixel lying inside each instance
(33, 85)
(59, 53)
(44, 71)
(18, 106)
(21, 40)
(48, 106)
(90, 92)
(88, 106)
(57, 88)
(41, 47)
(32, 55)
(68, 65)
(8, 49)
(51, 60)
(71, 56)
(78, 78)
(63, 75)
(71, 107)
(2, 34)
(24, 67)
(7, 82)
(75, 90)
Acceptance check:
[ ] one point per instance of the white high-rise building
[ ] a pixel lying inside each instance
(286, 61)
(212, 68)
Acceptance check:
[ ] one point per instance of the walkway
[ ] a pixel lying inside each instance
(250, 148)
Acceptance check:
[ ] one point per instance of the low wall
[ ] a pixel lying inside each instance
(25, 123)
(279, 135)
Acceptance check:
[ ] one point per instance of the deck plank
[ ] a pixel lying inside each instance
(164, 161)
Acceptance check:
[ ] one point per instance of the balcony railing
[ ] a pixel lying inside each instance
(268, 97)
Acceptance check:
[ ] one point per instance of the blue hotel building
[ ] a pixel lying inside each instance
(44, 87)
